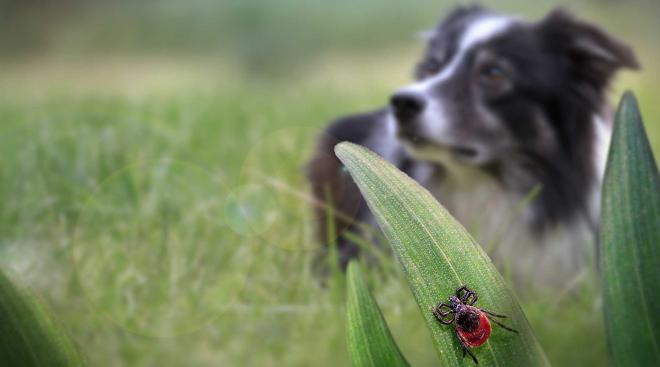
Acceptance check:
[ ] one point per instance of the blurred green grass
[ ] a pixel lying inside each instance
(106, 142)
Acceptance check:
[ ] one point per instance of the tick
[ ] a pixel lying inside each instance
(472, 323)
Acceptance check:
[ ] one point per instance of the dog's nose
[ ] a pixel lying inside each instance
(407, 105)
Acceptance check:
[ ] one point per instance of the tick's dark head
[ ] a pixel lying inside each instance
(454, 302)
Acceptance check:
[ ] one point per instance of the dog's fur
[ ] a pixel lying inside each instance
(500, 106)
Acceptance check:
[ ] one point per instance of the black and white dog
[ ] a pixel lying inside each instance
(500, 106)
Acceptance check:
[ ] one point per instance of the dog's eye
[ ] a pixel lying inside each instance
(431, 67)
(492, 74)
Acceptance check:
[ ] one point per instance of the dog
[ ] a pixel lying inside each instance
(507, 124)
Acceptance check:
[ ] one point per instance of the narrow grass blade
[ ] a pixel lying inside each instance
(630, 240)
(369, 339)
(28, 334)
(438, 256)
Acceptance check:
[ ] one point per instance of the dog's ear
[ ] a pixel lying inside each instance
(595, 55)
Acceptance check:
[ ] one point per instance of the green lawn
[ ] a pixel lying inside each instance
(160, 209)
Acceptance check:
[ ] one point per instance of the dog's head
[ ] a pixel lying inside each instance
(492, 88)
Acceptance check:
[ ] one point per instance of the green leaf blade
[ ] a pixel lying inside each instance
(630, 240)
(29, 336)
(370, 342)
(438, 255)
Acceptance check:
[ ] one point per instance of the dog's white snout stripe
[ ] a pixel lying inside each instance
(434, 120)
(480, 30)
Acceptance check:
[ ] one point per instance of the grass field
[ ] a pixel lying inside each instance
(121, 208)
(158, 206)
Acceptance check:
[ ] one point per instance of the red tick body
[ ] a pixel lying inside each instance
(474, 337)
(472, 323)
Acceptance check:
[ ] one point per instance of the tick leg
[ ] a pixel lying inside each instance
(463, 288)
(466, 295)
(502, 325)
(466, 349)
(442, 315)
(471, 298)
(492, 313)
